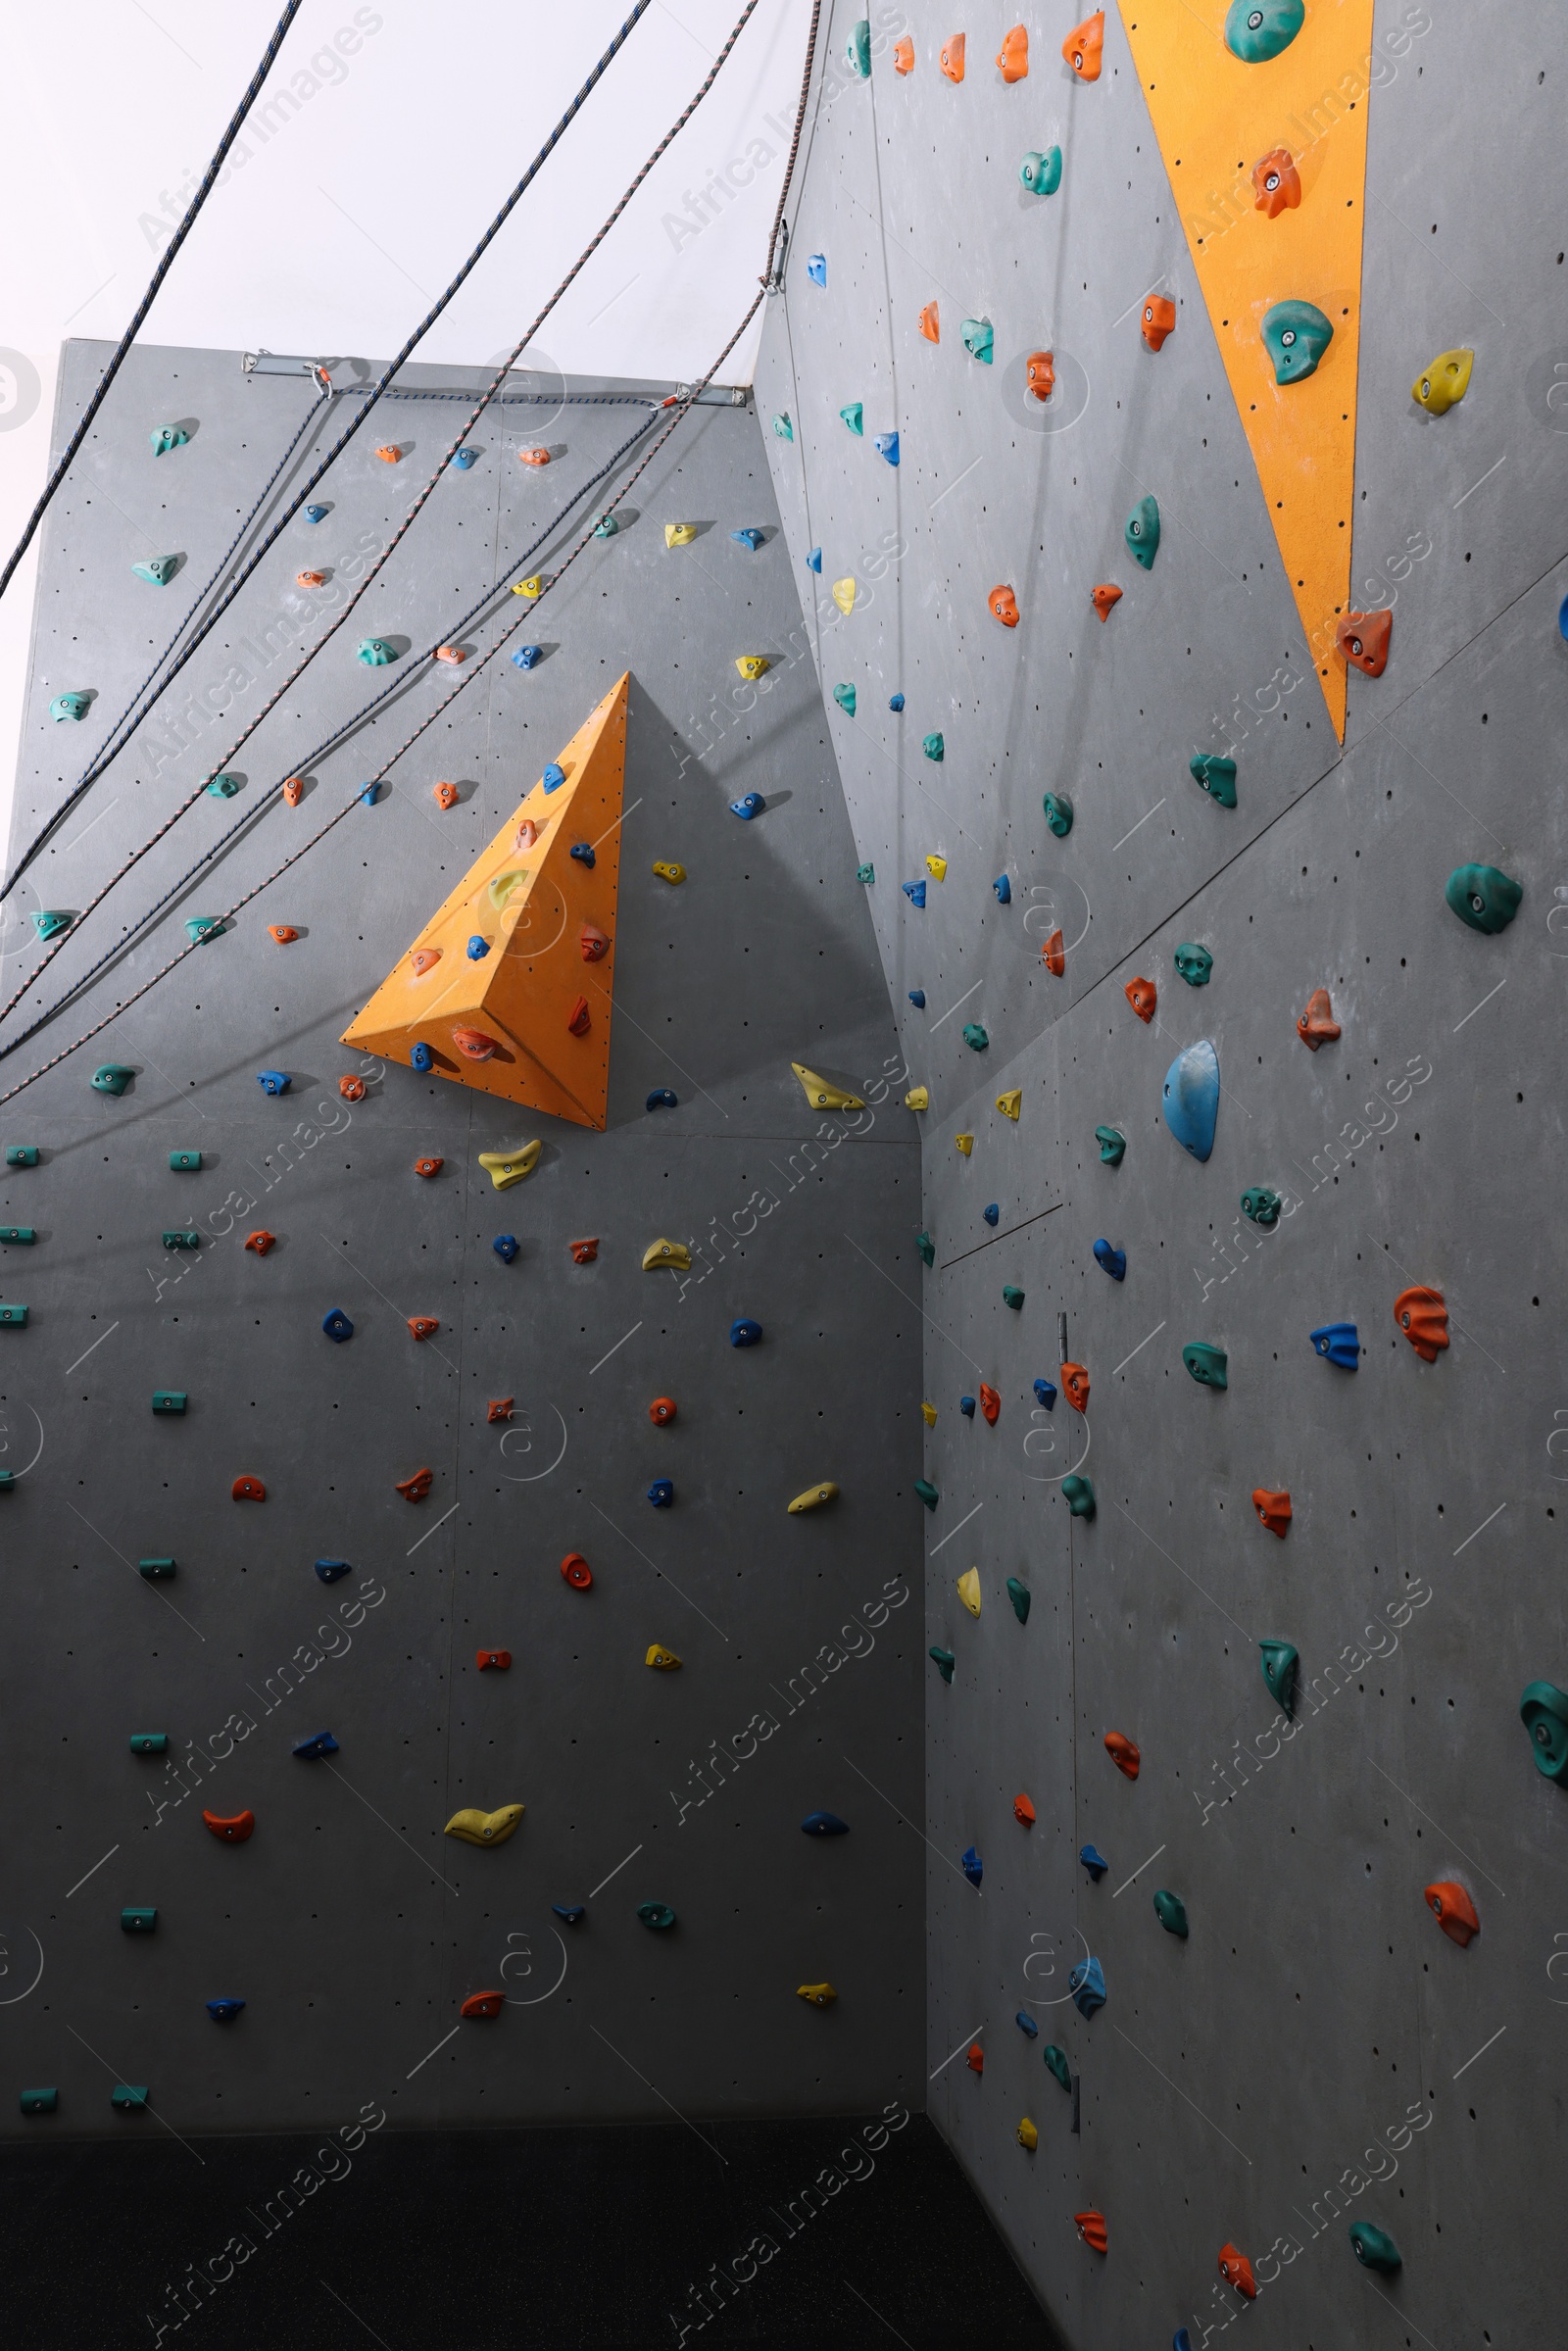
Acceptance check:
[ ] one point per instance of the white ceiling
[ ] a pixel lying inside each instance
(396, 132)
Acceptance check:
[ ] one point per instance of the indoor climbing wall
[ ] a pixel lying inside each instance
(1231, 1048)
(394, 1469)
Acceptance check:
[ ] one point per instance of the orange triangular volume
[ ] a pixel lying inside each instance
(510, 1021)
(1214, 119)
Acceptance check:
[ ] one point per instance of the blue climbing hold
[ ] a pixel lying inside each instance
(554, 777)
(1339, 1342)
(992, 1212)
(478, 949)
(749, 538)
(463, 458)
(1026, 2023)
(370, 794)
(223, 2012)
(746, 808)
(661, 1494)
(573, 1912)
(661, 1099)
(895, 702)
(526, 655)
(1191, 1100)
(273, 1081)
(742, 1332)
(817, 269)
(886, 445)
(333, 1571)
(854, 415)
(1046, 1395)
(317, 514)
(973, 1869)
(504, 1246)
(312, 1750)
(915, 892)
(1003, 890)
(966, 1407)
(814, 562)
(583, 851)
(1094, 1861)
(338, 1325)
(1113, 1260)
(1087, 1984)
(824, 1824)
(918, 999)
(421, 1057)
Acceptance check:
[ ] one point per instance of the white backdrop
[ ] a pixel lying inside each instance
(385, 141)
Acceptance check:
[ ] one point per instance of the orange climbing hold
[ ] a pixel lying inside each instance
(1103, 598)
(583, 1252)
(455, 654)
(261, 1243)
(310, 579)
(1317, 1024)
(1277, 181)
(1363, 639)
(903, 56)
(1453, 1911)
(952, 60)
(1023, 1812)
(976, 2059)
(283, 932)
(1053, 954)
(234, 1829)
(578, 1571)
(592, 943)
(1075, 1381)
(989, 1402)
(415, 1489)
(533, 457)
(577, 1019)
(428, 1167)
(1013, 58)
(1160, 319)
(1423, 1316)
(930, 325)
(1237, 2270)
(1085, 45)
(1142, 996)
(1273, 1509)
(527, 833)
(423, 1326)
(1124, 1754)
(390, 454)
(248, 1490)
(352, 1088)
(1004, 607)
(482, 2003)
(1091, 2227)
(423, 959)
(500, 1408)
(661, 1411)
(293, 790)
(446, 795)
(1039, 374)
(475, 1044)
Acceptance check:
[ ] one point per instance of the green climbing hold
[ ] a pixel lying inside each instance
(1057, 2061)
(1058, 814)
(202, 926)
(1217, 776)
(156, 1571)
(1011, 1296)
(865, 873)
(22, 1154)
(185, 1162)
(158, 570)
(927, 1249)
(1140, 533)
(784, 428)
(113, 1078)
(128, 2093)
(1206, 1364)
(1079, 1496)
(48, 925)
(1295, 335)
(1279, 1662)
(1113, 1146)
(225, 787)
(1258, 30)
(12, 1318)
(1483, 898)
(944, 1660)
(18, 1236)
(165, 437)
(139, 1921)
(1262, 1204)
(606, 527)
(854, 415)
(927, 1493)
(182, 1240)
(1374, 2249)
(39, 2102)
(658, 1915)
(974, 1037)
(1018, 1594)
(1042, 173)
(1544, 1711)
(857, 55)
(1195, 963)
(933, 746)
(976, 338)
(149, 1742)
(1171, 1912)
(170, 1400)
(844, 696)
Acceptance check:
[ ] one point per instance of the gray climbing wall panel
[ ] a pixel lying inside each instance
(349, 1924)
(1316, 2053)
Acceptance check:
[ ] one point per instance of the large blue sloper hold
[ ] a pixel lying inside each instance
(1094, 1861)
(886, 444)
(1087, 1984)
(1339, 1344)
(1115, 1260)
(915, 892)
(1191, 1100)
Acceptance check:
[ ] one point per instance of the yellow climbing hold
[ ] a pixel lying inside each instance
(667, 872)
(965, 1144)
(505, 887)
(529, 587)
(820, 1996)
(936, 867)
(1440, 386)
(506, 1169)
(969, 1589)
(667, 1253)
(484, 1828)
(663, 1661)
(844, 595)
(824, 1097)
(814, 1498)
(928, 1413)
(679, 534)
(918, 1099)
(751, 664)
(1009, 1105)
(1028, 2135)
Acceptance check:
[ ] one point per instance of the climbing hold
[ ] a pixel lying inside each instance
(156, 1571)
(1091, 2227)
(926, 1247)
(814, 1498)
(952, 57)
(974, 1871)
(944, 1660)
(506, 1169)
(919, 1098)
(493, 1660)
(742, 1332)
(1143, 998)
(573, 1912)
(248, 1490)
(375, 653)
(234, 1829)
(321, 1743)
(854, 415)
(821, 1095)
(918, 999)
(1075, 1379)
(1124, 1754)
(1453, 1911)
(903, 56)
(463, 458)
(661, 1411)
(158, 570)
(927, 1493)
(500, 1408)
(432, 1167)
(1013, 1296)
(750, 538)
(533, 457)
(203, 926)
(1273, 1509)
(820, 1996)
(915, 892)
(1423, 1316)
(578, 1021)
(1084, 46)
(975, 1037)
(286, 935)
(1160, 319)
(751, 665)
(261, 1241)
(1234, 2265)
(310, 579)
(415, 1489)
(352, 1088)
(1295, 335)
(992, 1212)
(390, 454)
(483, 2003)
(1019, 1594)
(1056, 2063)
(1053, 954)
(1363, 638)
(1338, 1343)
(928, 1413)
(968, 1583)
(1262, 1204)
(128, 2095)
(679, 534)
(423, 1326)
(1191, 1099)
(1027, 2135)
(1544, 1711)
(1039, 374)
(1171, 1913)
(1317, 1025)
(77, 706)
(1013, 58)
(579, 1574)
(1041, 174)
(446, 795)
(137, 1921)
(895, 702)
(1103, 598)
(484, 1828)
(1011, 1104)
(824, 1824)
(317, 514)
(1079, 1495)
(584, 1252)
(1045, 1395)
(1279, 1662)
(661, 1494)
(607, 527)
(671, 873)
(273, 1081)
(865, 873)
(966, 1407)
(1087, 1984)
(1094, 1861)
(663, 1660)
(976, 337)
(886, 445)
(173, 1240)
(1113, 1146)
(1206, 1364)
(1374, 2249)
(784, 428)
(929, 325)
(1277, 181)
(149, 1742)
(165, 437)
(1003, 890)
(370, 794)
(1140, 533)
(1112, 1260)
(39, 2102)
(1004, 607)
(844, 696)
(1023, 1812)
(113, 1078)
(333, 1571)
(857, 55)
(1483, 897)
(933, 746)
(844, 598)
(1445, 383)
(1216, 775)
(15, 1318)
(1194, 964)
(49, 925)
(294, 790)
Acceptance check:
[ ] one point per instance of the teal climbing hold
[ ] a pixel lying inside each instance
(944, 1660)
(1279, 1662)
(975, 1037)
(113, 1078)
(1194, 963)
(39, 2102)
(127, 2094)
(1258, 30)
(783, 427)
(1056, 2063)
(170, 1400)
(933, 746)
(658, 1915)
(975, 334)
(1191, 1100)
(1544, 1711)
(1058, 814)
(1042, 173)
(1079, 1495)
(1295, 335)
(185, 1162)
(927, 1493)
(158, 570)
(71, 706)
(1206, 1364)
(1171, 1912)
(1140, 533)
(202, 926)
(12, 1318)
(1087, 1984)
(865, 873)
(49, 924)
(225, 787)
(927, 1249)
(1011, 1296)
(1374, 2249)
(138, 1920)
(1483, 897)
(149, 1742)
(1113, 1146)
(844, 696)
(18, 1236)
(1262, 1204)
(1217, 776)
(191, 1240)
(22, 1154)
(1018, 1594)
(607, 526)
(854, 415)
(165, 437)
(857, 55)
(375, 653)
(156, 1571)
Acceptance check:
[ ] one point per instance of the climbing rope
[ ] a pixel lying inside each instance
(151, 295)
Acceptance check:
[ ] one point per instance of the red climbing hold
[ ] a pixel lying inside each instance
(1054, 955)
(1453, 1911)
(578, 1571)
(423, 1326)
(930, 324)
(1317, 1024)
(500, 1408)
(496, 1660)
(1160, 319)
(1004, 607)
(989, 1402)
(248, 1490)
(294, 790)
(1423, 1316)
(283, 932)
(1274, 1509)
(1237, 2270)
(352, 1088)
(1277, 181)
(415, 1489)
(1091, 2227)
(233, 1831)
(533, 457)
(593, 944)
(583, 1252)
(447, 795)
(1013, 58)
(903, 56)
(1084, 45)
(1143, 997)
(428, 1167)
(952, 60)
(1023, 1812)
(1124, 1754)
(1103, 598)
(1039, 374)
(661, 1411)
(976, 2059)
(261, 1243)
(577, 1017)
(1363, 638)
(527, 834)
(474, 1044)
(1075, 1379)
(483, 2003)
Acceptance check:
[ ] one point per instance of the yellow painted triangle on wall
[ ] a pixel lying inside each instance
(530, 1019)
(1214, 119)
